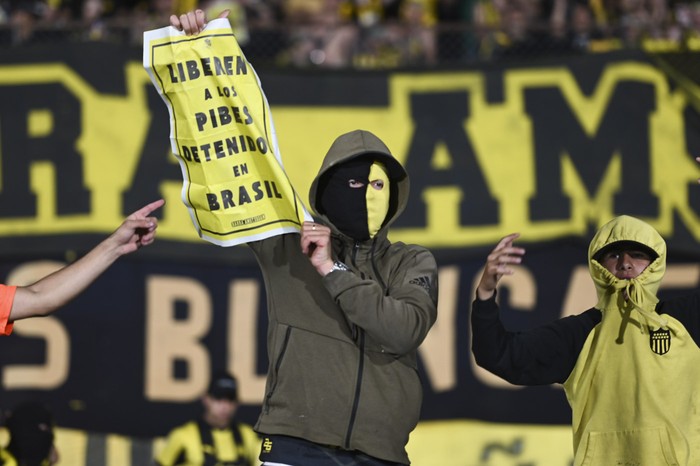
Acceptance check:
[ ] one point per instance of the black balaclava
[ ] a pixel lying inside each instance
(31, 434)
(344, 206)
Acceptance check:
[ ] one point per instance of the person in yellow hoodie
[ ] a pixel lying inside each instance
(630, 366)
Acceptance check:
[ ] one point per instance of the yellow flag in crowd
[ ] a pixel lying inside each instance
(221, 132)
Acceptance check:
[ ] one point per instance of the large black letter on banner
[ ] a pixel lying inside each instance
(153, 167)
(439, 118)
(20, 149)
(624, 129)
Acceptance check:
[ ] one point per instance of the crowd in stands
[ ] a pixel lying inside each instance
(376, 33)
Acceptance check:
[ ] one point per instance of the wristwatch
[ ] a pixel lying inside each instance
(337, 265)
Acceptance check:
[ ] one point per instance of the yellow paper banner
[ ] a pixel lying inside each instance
(221, 132)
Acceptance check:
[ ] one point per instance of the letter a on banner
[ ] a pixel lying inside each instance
(221, 132)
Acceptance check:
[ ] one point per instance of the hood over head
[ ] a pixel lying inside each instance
(354, 155)
(642, 289)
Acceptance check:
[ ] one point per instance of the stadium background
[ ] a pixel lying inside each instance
(551, 147)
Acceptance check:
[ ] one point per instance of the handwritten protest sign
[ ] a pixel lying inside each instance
(221, 132)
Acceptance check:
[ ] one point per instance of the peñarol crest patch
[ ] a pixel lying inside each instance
(660, 340)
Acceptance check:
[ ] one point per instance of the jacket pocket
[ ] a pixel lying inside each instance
(639, 447)
(273, 375)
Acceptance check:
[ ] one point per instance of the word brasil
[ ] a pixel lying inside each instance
(260, 190)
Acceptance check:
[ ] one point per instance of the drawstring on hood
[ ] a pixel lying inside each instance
(637, 295)
(625, 295)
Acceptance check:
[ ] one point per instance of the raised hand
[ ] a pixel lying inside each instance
(138, 229)
(316, 244)
(498, 263)
(192, 22)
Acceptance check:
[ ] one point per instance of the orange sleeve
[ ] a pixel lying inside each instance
(7, 297)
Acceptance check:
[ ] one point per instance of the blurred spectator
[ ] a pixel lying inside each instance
(514, 37)
(584, 34)
(456, 40)
(375, 33)
(237, 16)
(679, 20)
(367, 13)
(414, 35)
(687, 20)
(153, 15)
(488, 19)
(634, 21)
(30, 426)
(409, 40)
(4, 18)
(213, 438)
(320, 34)
(255, 23)
(93, 22)
(303, 12)
(267, 36)
(529, 29)
(24, 20)
(643, 20)
(555, 14)
(374, 46)
(604, 13)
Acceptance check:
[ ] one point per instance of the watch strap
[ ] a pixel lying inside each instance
(337, 265)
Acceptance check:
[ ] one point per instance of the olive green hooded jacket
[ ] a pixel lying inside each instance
(343, 348)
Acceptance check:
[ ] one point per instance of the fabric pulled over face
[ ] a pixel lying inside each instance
(358, 212)
(641, 291)
(359, 145)
(377, 197)
(345, 206)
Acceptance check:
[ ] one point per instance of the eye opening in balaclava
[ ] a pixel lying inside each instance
(357, 212)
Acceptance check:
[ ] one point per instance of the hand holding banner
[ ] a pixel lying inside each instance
(222, 133)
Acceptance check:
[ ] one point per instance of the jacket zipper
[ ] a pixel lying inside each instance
(358, 386)
(353, 257)
(360, 366)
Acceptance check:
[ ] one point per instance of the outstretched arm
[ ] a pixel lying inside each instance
(58, 288)
(498, 264)
(541, 355)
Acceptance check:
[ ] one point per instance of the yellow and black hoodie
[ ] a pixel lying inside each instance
(630, 366)
(343, 370)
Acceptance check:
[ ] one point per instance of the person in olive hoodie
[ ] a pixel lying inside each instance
(630, 366)
(347, 312)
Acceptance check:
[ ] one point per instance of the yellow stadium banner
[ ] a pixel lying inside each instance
(222, 133)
